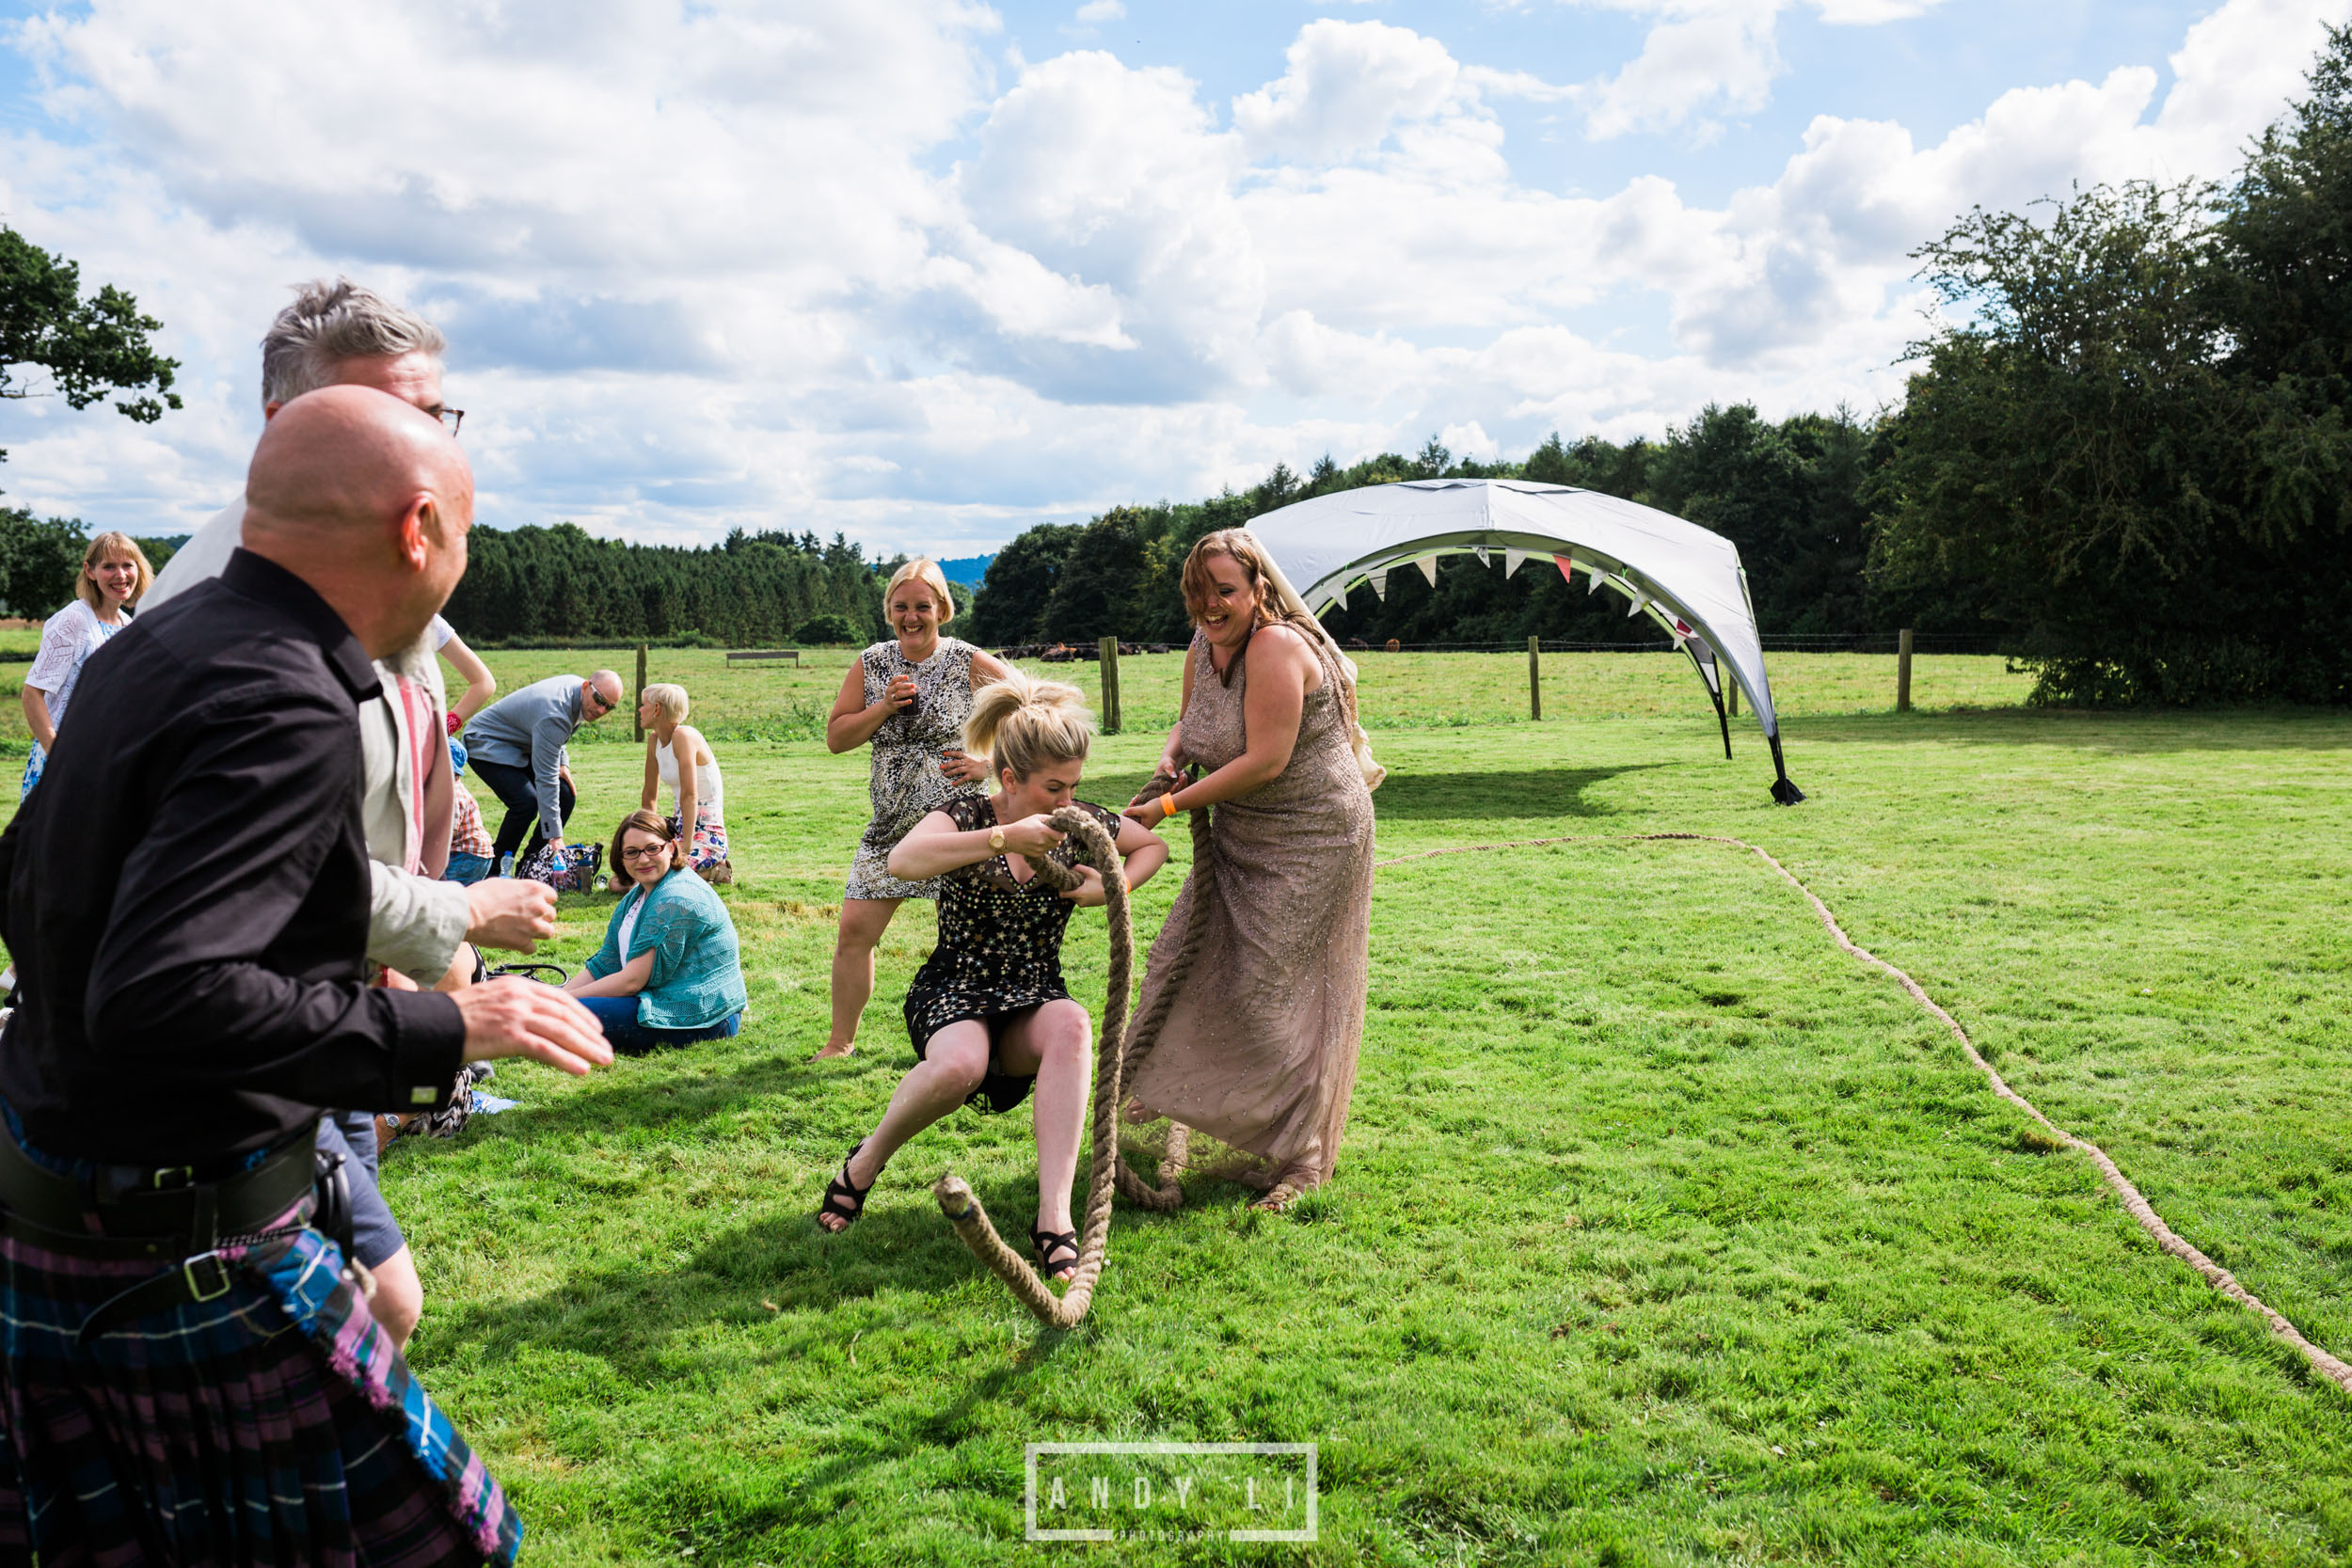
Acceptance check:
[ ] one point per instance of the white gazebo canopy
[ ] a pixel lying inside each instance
(1684, 577)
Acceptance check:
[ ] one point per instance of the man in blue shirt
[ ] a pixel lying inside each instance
(517, 746)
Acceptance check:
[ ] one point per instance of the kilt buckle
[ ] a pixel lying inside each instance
(203, 1278)
(200, 1289)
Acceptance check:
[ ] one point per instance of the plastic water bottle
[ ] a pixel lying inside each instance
(506, 863)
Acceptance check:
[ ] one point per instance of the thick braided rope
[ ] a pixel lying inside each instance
(956, 1197)
(2135, 1203)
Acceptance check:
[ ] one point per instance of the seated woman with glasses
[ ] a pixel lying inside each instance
(667, 973)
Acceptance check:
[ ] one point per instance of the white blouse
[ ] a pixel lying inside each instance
(66, 641)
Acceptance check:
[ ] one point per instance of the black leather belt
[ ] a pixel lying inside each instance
(165, 1205)
(155, 1213)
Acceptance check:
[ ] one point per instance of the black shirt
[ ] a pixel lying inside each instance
(187, 894)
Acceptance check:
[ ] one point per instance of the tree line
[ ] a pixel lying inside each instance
(559, 584)
(538, 583)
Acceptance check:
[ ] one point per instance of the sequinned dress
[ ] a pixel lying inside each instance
(999, 952)
(907, 785)
(1259, 1046)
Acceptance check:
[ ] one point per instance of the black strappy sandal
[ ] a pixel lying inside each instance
(841, 1192)
(530, 971)
(1045, 1244)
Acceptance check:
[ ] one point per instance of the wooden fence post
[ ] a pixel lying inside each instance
(1108, 656)
(637, 708)
(1903, 671)
(1535, 678)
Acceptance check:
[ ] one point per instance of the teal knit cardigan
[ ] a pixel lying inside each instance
(697, 977)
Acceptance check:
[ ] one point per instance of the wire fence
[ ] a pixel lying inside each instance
(1806, 642)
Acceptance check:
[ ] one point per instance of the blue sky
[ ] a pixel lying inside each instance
(932, 271)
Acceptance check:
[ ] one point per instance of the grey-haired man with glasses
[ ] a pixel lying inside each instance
(419, 926)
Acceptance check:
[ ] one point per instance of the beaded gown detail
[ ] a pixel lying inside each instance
(999, 950)
(906, 783)
(1259, 1049)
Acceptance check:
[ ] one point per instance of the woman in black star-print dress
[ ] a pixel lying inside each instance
(999, 952)
(988, 1014)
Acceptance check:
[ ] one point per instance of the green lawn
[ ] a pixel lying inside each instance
(1663, 1233)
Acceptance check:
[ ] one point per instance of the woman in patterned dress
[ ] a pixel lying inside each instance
(989, 1014)
(911, 699)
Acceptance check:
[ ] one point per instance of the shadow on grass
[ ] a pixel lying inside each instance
(1543, 792)
(664, 1092)
(2114, 732)
(782, 1269)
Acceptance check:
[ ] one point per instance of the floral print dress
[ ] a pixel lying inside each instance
(999, 952)
(907, 785)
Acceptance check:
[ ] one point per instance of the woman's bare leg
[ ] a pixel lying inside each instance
(1055, 1043)
(863, 923)
(952, 1067)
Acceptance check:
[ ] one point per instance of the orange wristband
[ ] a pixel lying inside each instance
(1168, 805)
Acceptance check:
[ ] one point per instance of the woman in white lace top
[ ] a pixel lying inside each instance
(115, 574)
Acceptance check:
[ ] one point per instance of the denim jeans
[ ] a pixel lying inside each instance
(467, 870)
(519, 792)
(618, 1017)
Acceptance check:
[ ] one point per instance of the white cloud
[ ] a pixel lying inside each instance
(1706, 59)
(1871, 14)
(1348, 83)
(1095, 11)
(1120, 177)
(1702, 58)
(857, 271)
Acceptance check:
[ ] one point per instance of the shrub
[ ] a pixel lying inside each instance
(826, 631)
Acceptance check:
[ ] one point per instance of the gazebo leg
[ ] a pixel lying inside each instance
(1785, 789)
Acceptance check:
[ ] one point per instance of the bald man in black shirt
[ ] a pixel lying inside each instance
(188, 915)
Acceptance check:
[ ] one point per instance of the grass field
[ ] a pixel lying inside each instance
(1663, 1232)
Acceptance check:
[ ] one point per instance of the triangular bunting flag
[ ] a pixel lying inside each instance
(1428, 564)
(1379, 581)
(1640, 602)
(1512, 561)
(1599, 577)
(1480, 551)
(1567, 568)
(1338, 594)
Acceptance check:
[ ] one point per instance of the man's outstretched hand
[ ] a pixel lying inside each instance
(511, 1015)
(510, 912)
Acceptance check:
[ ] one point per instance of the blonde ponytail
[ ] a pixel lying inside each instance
(1025, 724)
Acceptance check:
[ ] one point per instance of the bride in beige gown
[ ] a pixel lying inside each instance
(1257, 1047)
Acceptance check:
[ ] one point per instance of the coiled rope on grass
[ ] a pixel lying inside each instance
(2135, 1202)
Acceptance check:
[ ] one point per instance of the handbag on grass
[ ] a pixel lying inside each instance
(573, 871)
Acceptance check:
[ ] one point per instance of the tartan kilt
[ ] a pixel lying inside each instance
(273, 1426)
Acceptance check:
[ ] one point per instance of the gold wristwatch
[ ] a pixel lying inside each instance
(996, 838)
